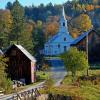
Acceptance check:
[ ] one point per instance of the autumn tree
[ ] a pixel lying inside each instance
(75, 60)
(5, 27)
(73, 31)
(51, 29)
(89, 7)
(82, 23)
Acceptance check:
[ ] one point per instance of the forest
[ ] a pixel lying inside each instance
(32, 26)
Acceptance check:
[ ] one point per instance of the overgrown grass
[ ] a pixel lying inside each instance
(42, 75)
(87, 90)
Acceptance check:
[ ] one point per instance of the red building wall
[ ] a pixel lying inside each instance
(19, 66)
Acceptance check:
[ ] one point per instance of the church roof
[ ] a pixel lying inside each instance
(58, 35)
(53, 38)
(81, 37)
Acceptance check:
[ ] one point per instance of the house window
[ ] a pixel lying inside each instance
(64, 39)
(63, 24)
(58, 45)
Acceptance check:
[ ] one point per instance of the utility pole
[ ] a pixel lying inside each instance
(87, 51)
(87, 48)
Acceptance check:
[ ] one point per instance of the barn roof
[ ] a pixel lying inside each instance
(81, 37)
(24, 51)
(1, 52)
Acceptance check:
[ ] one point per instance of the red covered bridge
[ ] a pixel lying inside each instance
(21, 65)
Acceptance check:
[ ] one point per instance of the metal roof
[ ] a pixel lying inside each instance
(26, 52)
(81, 37)
(1, 53)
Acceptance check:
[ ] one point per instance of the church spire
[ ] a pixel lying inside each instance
(63, 22)
(63, 12)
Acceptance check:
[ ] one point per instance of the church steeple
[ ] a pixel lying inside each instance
(63, 21)
(63, 12)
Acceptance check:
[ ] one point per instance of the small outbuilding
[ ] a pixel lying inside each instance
(93, 44)
(21, 64)
(81, 41)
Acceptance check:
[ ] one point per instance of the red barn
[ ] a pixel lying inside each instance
(21, 65)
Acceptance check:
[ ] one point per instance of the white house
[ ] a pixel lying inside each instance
(61, 41)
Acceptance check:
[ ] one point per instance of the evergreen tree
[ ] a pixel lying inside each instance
(21, 33)
(26, 37)
(38, 41)
(9, 6)
(18, 21)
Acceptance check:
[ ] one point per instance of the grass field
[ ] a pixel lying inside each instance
(42, 75)
(86, 90)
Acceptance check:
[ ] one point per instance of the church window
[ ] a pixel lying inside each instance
(63, 23)
(65, 48)
(58, 45)
(64, 38)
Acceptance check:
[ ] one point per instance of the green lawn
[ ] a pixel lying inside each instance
(42, 75)
(86, 90)
(68, 79)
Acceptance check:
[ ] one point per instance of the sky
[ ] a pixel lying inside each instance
(30, 2)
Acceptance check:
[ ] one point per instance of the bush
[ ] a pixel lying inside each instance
(6, 85)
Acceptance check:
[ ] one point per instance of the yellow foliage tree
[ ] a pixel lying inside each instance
(51, 29)
(90, 7)
(83, 23)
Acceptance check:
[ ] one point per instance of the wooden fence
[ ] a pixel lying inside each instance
(26, 95)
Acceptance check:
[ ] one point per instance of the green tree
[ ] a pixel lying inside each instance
(9, 6)
(75, 60)
(22, 29)
(26, 37)
(38, 40)
(5, 83)
(17, 12)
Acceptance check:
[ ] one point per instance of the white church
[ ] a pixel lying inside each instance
(60, 42)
